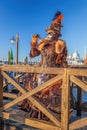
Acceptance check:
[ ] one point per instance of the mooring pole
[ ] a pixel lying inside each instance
(79, 100)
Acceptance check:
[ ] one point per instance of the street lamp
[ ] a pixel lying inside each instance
(13, 40)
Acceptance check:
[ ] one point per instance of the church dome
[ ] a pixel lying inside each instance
(76, 55)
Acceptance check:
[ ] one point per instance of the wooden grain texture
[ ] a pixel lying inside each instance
(30, 93)
(9, 95)
(13, 81)
(68, 75)
(47, 112)
(77, 72)
(65, 102)
(36, 103)
(32, 69)
(78, 82)
(78, 123)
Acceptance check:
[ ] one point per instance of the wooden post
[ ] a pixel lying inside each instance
(72, 100)
(79, 100)
(65, 102)
(1, 98)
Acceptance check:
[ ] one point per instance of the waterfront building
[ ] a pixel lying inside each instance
(75, 59)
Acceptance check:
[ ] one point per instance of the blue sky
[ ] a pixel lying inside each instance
(28, 17)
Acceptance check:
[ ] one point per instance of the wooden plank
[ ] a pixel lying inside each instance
(44, 110)
(47, 112)
(13, 82)
(41, 124)
(32, 69)
(18, 76)
(78, 123)
(77, 72)
(79, 83)
(38, 105)
(78, 66)
(31, 92)
(5, 115)
(65, 102)
(9, 95)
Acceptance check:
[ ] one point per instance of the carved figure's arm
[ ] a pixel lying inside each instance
(34, 50)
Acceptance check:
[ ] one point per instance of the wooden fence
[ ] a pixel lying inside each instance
(68, 75)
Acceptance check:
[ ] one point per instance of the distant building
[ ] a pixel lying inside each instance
(75, 59)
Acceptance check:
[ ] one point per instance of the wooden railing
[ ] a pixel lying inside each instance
(68, 75)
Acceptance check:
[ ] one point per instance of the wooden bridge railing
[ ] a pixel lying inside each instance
(66, 74)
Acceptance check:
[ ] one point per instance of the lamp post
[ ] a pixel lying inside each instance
(15, 40)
